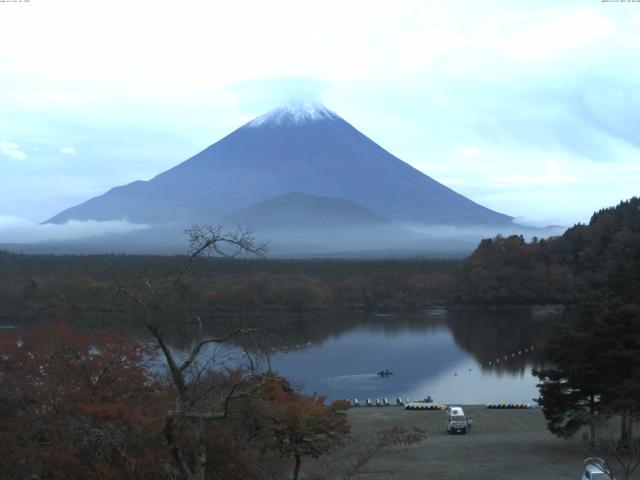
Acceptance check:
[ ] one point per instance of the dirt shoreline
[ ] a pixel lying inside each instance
(503, 444)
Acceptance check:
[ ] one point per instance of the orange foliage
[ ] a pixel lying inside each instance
(78, 406)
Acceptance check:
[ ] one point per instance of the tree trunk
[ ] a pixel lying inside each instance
(592, 435)
(296, 469)
(200, 468)
(592, 426)
(174, 448)
(625, 434)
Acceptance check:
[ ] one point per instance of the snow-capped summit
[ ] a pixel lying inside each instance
(300, 147)
(294, 113)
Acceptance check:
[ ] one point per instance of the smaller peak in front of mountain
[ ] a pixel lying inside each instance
(299, 210)
(292, 114)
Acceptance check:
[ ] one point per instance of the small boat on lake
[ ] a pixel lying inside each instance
(435, 311)
(384, 373)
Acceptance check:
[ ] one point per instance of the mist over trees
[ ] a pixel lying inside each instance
(586, 260)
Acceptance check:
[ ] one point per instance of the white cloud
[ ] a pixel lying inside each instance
(19, 230)
(11, 150)
(479, 93)
(68, 151)
(468, 152)
(549, 174)
(530, 180)
(554, 36)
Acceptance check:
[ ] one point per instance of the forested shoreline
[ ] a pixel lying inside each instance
(583, 263)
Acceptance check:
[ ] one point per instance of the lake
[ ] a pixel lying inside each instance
(467, 356)
(458, 356)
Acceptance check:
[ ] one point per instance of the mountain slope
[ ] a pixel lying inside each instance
(294, 149)
(298, 210)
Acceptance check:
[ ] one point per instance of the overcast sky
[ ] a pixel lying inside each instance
(531, 108)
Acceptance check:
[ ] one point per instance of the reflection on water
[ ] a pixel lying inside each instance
(362, 381)
(445, 356)
(455, 356)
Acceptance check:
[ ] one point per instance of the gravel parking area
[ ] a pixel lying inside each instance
(503, 444)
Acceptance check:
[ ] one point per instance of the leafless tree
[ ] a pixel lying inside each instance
(196, 401)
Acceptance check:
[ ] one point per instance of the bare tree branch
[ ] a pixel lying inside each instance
(207, 239)
(195, 403)
(195, 351)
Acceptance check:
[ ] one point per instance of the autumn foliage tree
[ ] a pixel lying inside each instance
(304, 426)
(78, 406)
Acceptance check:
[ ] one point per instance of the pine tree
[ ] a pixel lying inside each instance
(570, 391)
(596, 370)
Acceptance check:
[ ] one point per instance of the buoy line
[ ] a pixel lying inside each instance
(519, 353)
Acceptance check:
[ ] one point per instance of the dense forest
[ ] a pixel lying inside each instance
(45, 285)
(591, 384)
(586, 260)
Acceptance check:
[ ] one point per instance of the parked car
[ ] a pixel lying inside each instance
(457, 422)
(596, 469)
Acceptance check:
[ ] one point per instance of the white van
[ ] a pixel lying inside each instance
(456, 420)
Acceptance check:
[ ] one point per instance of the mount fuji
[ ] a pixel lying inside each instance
(307, 181)
(297, 148)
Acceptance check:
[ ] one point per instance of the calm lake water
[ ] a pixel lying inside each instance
(470, 356)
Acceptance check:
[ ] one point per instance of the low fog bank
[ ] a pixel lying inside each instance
(20, 231)
(356, 241)
(139, 240)
(363, 241)
(395, 240)
(485, 231)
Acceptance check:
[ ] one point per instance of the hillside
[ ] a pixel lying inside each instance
(299, 210)
(587, 261)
